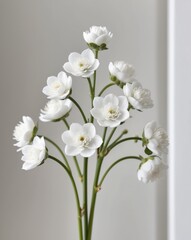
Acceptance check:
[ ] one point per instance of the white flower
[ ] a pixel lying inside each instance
(156, 138)
(138, 97)
(122, 71)
(23, 132)
(55, 109)
(58, 87)
(97, 35)
(151, 170)
(34, 154)
(82, 65)
(81, 139)
(110, 111)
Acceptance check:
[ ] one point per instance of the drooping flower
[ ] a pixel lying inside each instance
(110, 111)
(138, 97)
(55, 110)
(58, 87)
(81, 139)
(155, 138)
(121, 71)
(97, 37)
(24, 132)
(82, 65)
(34, 154)
(152, 169)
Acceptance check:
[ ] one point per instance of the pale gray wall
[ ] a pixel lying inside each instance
(35, 40)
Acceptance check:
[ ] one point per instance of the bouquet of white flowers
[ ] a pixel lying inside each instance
(108, 111)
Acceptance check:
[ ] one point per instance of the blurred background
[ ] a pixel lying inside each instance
(36, 38)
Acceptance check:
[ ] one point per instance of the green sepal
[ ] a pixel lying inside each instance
(97, 47)
(148, 151)
(117, 81)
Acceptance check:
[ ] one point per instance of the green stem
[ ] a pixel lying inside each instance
(114, 144)
(78, 168)
(115, 163)
(75, 159)
(79, 218)
(104, 136)
(94, 84)
(80, 109)
(107, 86)
(94, 196)
(59, 149)
(66, 123)
(85, 197)
(109, 138)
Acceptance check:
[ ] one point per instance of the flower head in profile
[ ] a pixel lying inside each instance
(151, 169)
(110, 111)
(81, 139)
(81, 65)
(121, 72)
(55, 110)
(58, 87)
(34, 154)
(155, 138)
(138, 97)
(97, 37)
(24, 132)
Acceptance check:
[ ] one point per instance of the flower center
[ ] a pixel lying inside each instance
(113, 114)
(56, 85)
(83, 65)
(84, 141)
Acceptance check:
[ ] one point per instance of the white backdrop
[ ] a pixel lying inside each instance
(179, 115)
(36, 38)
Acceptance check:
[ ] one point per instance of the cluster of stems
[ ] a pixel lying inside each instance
(85, 216)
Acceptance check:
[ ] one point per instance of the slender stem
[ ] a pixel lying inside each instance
(119, 137)
(109, 138)
(59, 149)
(94, 85)
(78, 168)
(66, 123)
(107, 86)
(79, 218)
(75, 159)
(104, 136)
(114, 144)
(80, 109)
(85, 197)
(94, 196)
(115, 163)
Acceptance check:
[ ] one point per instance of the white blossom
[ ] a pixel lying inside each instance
(81, 139)
(151, 170)
(138, 97)
(34, 154)
(82, 65)
(156, 138)
(58, 87)
(97, 35)
(55, 109)
(110, 111)
(122, 71)
(23, 132)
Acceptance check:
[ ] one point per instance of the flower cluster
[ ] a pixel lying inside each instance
(110, 111)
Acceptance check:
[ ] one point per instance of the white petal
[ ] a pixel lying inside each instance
(111, 98)
(29, 166)
(149, 129)
(95, 142)
(127, 90)
(51, 79)
(88, 54)
(67, 138)
(123, 103)
(68, 68)
(89, 130)
(74, 57)
(72, 151)
(87, 152)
